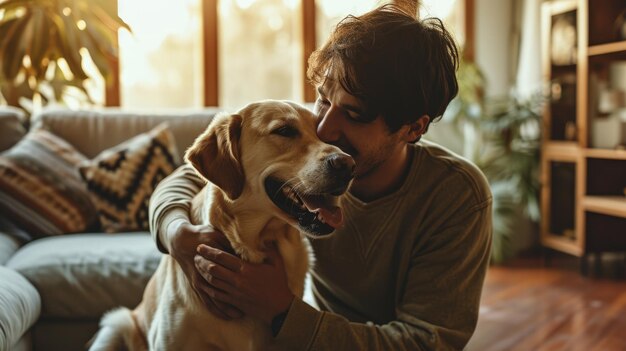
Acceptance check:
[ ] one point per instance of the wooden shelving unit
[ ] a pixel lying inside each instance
(560, 149)
(610, 48)
(607, 205)
(606, 154)
(583, 187)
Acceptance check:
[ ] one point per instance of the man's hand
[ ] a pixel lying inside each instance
(184, 239)
(258, 290)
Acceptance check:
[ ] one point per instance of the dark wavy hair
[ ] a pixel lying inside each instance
(398, 66)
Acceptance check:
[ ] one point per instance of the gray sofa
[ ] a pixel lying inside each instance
(54, 290)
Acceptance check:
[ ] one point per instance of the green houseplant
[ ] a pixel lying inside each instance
(43, 44)
(507, 151)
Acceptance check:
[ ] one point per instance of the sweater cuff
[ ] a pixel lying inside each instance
(172, 215)
(300, 327)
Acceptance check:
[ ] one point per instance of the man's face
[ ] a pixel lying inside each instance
(342, 121)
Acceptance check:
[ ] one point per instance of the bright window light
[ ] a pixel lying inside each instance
(161, 61)
(260, 51)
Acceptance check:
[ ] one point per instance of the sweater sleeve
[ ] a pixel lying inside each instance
(438, 308)
(171, 201)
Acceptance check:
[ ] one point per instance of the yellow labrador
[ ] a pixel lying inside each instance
(270, 179)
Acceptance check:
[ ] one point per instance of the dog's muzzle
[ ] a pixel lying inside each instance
(315, 210)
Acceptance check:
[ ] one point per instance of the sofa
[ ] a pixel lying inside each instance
(54, 289)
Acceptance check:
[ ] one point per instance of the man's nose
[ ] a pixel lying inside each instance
(328, 127)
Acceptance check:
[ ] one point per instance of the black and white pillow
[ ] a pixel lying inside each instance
(121, 179)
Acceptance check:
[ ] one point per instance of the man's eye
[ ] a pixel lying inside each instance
(354, 116)
(363, 118)
(286, 131)
(358, 118)
(323, 101)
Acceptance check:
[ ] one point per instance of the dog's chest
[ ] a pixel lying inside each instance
(186, 325)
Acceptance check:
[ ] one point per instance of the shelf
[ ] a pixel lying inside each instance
(582, 186)
(610, 48)
(559, 7)
(608, 205)
(606, 154)
(567, 150)
(561, 243)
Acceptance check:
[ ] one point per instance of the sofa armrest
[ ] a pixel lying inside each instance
(20, 305)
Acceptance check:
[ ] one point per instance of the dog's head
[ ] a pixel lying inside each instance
(269, 151)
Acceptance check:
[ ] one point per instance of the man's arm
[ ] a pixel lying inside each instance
(171, 203)
(437, 310)
(439, 307)
(174, 233)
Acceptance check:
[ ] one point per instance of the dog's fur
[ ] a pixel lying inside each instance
(236, 154)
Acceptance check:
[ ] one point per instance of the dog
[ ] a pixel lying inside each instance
(269, 179)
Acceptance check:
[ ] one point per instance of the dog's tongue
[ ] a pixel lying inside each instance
(329, 214)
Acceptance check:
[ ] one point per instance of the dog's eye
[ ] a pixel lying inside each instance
(286, 131)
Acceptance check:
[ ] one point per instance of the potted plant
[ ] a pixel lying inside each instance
(507, 150)
(43, 44)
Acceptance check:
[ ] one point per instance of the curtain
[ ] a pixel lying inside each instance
(527, 58)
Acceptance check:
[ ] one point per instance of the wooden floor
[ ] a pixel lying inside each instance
(527, 306)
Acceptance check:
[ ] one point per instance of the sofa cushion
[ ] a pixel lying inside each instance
(41, 189)
(121, 179)
(11, 126)
(83, 276)
(20, 306)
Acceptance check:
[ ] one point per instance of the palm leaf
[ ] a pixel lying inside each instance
(39, 43)
(70, 47)
(10, 5)
(14, 49)
(47, 32)
(5, 28)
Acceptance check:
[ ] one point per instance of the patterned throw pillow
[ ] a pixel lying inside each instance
(122, 178)
(41, 190)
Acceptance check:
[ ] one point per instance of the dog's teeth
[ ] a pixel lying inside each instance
(291, 195)
(320, 218)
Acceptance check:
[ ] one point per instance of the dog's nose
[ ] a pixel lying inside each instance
(341, 165)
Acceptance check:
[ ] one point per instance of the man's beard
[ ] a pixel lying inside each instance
(366, 165)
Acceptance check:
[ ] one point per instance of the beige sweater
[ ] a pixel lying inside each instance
(405, 273)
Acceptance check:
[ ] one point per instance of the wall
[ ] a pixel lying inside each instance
(493, 44)
(493, 56)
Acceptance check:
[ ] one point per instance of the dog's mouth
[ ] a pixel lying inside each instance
(316, 214)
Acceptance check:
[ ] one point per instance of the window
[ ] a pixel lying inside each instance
(258, 47)
(259, 51)
(330, 12)
(161, 61)
(451, 12)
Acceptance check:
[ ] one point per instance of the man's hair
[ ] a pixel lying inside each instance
(397, 66)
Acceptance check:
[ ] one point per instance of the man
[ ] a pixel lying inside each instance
(406, 271)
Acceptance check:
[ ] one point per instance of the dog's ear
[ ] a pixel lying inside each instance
(215, 155)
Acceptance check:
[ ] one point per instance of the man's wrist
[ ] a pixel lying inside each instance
(170, 227)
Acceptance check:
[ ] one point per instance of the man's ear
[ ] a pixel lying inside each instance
(215, 154)
(416, 129)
